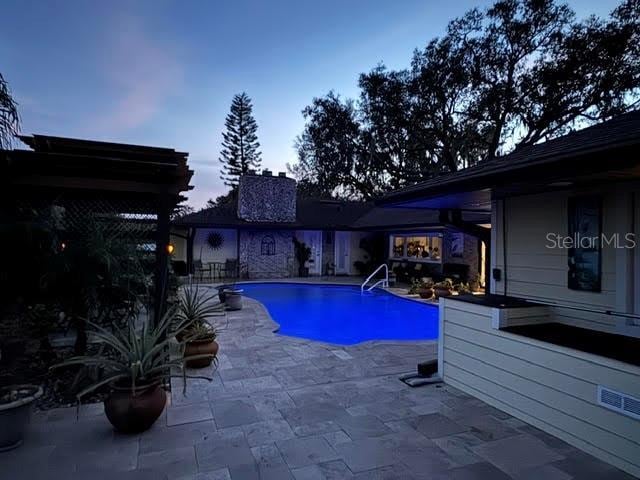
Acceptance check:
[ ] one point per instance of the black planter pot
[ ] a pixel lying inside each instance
(15, 415)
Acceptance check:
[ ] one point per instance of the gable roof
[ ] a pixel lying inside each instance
(559, 157)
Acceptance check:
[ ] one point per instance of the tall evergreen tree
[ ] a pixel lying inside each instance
(240, 147)
(9, 118)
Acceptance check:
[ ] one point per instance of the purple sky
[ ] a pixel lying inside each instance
(163, 73)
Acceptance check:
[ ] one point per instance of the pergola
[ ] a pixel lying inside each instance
(137, 183)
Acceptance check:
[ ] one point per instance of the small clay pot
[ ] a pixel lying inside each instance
(425, 293)
(442, 292)
(134, 412)
(200, 347)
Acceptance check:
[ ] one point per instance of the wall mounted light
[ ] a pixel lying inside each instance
(170, 248)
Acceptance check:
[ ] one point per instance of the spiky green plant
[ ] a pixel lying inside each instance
(201, 331)
(136, 358)
(195, 308)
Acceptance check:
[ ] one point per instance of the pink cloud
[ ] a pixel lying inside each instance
(142, 72)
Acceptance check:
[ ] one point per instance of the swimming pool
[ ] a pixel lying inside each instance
(341, 314)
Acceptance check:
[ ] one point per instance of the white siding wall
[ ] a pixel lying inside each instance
(550, 387)
(202, 250)
(539, 273)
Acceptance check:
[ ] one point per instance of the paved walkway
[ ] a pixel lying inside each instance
(281, 408)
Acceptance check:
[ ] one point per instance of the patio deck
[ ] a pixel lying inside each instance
(283, 408)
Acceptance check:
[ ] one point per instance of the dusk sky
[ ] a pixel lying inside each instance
(163, 73)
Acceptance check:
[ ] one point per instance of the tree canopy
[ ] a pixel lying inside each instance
(240, 147)
(514, 74)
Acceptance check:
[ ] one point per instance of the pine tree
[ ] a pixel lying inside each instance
(240, 147)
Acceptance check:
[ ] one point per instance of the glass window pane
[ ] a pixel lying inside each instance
(417, 248)
(398, 247)
(435, 248)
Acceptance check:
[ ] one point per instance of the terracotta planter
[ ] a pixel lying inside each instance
(200, 347)
(441, 292)
(14, 416)
(425, 292)
(134, 413)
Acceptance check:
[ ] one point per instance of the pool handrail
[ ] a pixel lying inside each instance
(384, 281)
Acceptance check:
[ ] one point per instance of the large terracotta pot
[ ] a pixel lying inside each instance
(200, 347)
(134, 413)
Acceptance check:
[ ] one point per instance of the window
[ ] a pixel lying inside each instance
(397, 250)
(268, 245)
(418, 248)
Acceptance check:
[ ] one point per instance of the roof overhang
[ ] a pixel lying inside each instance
(474, 188)
(87, 169)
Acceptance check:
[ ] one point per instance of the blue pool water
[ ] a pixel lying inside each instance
(342, 315)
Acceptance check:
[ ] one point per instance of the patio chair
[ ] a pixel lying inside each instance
(199, 269)
(230, 269)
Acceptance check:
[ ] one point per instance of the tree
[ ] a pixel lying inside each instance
(240, 147)
(226, 202)
(515, 74)
(9, 118)
(328, 147)
(181, 210)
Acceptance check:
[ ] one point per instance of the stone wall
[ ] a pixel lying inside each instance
(266, 253)
(267, 198)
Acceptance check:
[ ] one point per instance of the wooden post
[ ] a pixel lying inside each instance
(162, 258)
(191, 233)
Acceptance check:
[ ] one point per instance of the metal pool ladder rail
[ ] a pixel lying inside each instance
(383, 281)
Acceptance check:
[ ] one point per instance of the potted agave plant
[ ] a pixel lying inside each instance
(194, 310)
(133, 364)
(16, 402)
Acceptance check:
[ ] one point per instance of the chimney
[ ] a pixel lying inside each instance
(282, 174)
(267, 198)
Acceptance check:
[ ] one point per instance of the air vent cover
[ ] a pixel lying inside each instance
(619, 402)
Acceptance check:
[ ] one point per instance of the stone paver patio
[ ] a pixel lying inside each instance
(283, 408)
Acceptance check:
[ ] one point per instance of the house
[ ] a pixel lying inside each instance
(556, 340)
(253, 238)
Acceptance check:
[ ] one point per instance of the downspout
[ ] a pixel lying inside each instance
(504, 246)
(238, 265)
